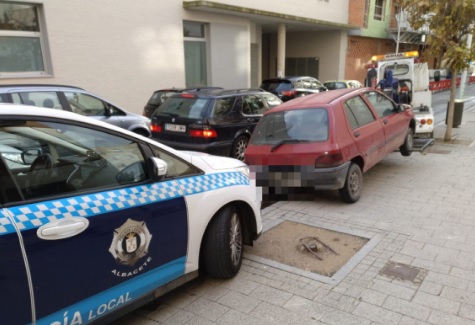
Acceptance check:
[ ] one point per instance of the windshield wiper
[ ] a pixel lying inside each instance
(286, 141)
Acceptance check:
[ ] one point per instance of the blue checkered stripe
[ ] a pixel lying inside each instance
(210, 182)
(35, 215)
(5, 224)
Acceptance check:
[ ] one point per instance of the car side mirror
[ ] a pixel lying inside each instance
(28, 156)
(158, 168)
(108, 110)
(403, 107)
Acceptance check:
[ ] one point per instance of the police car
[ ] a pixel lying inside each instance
(96, 220)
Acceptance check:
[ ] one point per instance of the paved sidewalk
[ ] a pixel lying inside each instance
(418, 211)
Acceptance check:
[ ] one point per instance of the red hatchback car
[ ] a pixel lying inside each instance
(327, 141)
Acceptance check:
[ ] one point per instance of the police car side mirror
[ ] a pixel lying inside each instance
(158, 168)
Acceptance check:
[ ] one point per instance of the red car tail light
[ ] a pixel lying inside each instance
(422, 121)
(288, 93)
(156, 128)
(329, 159)
(206, 133)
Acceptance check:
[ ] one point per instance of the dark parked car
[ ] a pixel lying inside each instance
(341, 84)
(326, 142)
(214, 121)
(288, 88)
(159, 96)
(77, 100)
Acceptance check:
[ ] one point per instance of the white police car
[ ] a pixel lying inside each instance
(95, 219)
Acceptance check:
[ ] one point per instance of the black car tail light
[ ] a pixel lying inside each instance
(205, 132)
(156, 128)
(329, 159)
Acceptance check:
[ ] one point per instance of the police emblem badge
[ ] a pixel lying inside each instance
(130, 242)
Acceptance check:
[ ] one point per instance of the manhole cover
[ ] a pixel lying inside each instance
(326, 252)
(403, 272)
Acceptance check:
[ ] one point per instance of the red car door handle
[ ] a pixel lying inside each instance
(385, 121)
(356, 134)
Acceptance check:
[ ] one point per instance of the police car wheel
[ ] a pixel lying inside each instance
(222, 249)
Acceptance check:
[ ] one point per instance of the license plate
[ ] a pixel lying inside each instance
(175, 127)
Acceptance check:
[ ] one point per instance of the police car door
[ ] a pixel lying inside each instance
(14, 284)
(97, 231)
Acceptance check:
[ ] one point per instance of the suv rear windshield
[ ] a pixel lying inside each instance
(183, 107)
(159, 97)
(300, 125)
(274, 85)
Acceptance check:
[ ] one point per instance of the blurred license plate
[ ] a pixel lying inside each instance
(175, 127)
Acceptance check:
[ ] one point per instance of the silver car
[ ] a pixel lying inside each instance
(77, 100)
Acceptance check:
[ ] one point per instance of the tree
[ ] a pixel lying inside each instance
(448, 22)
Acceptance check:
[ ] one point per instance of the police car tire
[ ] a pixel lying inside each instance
(217, 252)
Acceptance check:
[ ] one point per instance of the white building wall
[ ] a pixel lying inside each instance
(230, 55)
(124, 50)
(119, 49)
(326, 10)
(328, 46)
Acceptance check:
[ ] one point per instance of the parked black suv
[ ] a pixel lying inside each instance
(288, 88)
(159, 96)
(214, 121)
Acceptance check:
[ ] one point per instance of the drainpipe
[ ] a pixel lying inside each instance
(281, 50)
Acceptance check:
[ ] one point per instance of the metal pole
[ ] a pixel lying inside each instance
(398, 20)
(281, 31)
(463, 79)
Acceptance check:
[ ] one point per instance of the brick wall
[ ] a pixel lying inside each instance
(356, 12)
(361, 49)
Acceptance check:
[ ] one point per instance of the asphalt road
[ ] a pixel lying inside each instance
(440, 100)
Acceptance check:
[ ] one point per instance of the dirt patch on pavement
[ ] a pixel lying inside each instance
(306, 247)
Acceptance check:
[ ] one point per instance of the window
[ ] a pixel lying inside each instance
(271, 100)
(358, 113)
(47, 158)
(256, 105)
(195, 54)
(22, 41)
(223, 106)
(302, 67)
(175, 167)
(381, 104)
(379, 8)
(47, 99)
(90, 106)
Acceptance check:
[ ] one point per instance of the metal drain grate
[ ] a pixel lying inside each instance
(403, 272)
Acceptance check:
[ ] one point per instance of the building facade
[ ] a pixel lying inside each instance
(125, 50)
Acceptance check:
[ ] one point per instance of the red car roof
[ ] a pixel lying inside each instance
(317, 100)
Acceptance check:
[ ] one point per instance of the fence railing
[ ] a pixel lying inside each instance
(436, 86)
